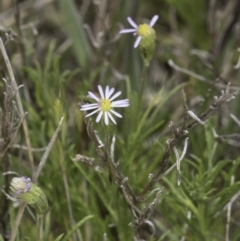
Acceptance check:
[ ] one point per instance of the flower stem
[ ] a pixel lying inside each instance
(39, 227)
(143, 79)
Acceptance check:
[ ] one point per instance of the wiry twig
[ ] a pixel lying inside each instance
(142, 224)
(180, 133)
(9, 120)
(202, 78)
(19, 102)
(90, 161)
(235, 119)
(178, 164)
(10, 173)
(12, 138)
(25, 148)
(180, 159)
(105, 155)
(112, 150)
(229, 207)
(135, 211)
(194, 116)
(152, 206)
(228, 138)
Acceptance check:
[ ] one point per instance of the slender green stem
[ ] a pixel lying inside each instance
(67, 192)
(39, 227)
(143, 79)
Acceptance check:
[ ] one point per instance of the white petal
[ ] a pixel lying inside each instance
(92, 113)
(116, 113)
(120, 103)
(93, 96)
(129, 30)
(99, 116)
(112, 118)
(132, 22)
(116, 95)
(110, 92)
(123, 101)
(84, 108)
(106, 92)
(106, 118)
(154, 20)
(101, 91)
(137, 41)
(86, 105)
(121, 106)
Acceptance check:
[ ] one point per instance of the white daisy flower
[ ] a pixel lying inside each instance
(143, 30)
(105, 104)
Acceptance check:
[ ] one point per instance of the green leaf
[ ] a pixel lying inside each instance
(226, 194)
(151, 130)
(77, 33)
(235, 165)
(217, 169)
(181, 196)
(76, 226)
(59, 237)
(211, 143)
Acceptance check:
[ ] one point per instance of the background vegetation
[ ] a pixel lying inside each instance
(60, 50)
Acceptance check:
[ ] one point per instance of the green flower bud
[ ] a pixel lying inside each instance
(29, 193)
(148, 42)
(146, 38)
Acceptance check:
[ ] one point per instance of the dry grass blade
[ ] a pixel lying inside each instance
(35, 176)
(19, 102)
(45, 155)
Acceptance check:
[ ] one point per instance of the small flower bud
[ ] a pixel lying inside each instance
(148, 42)
(146, 38)
(29, 193)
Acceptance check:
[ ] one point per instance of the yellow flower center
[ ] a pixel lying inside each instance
(105, 105)
(144, 30)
